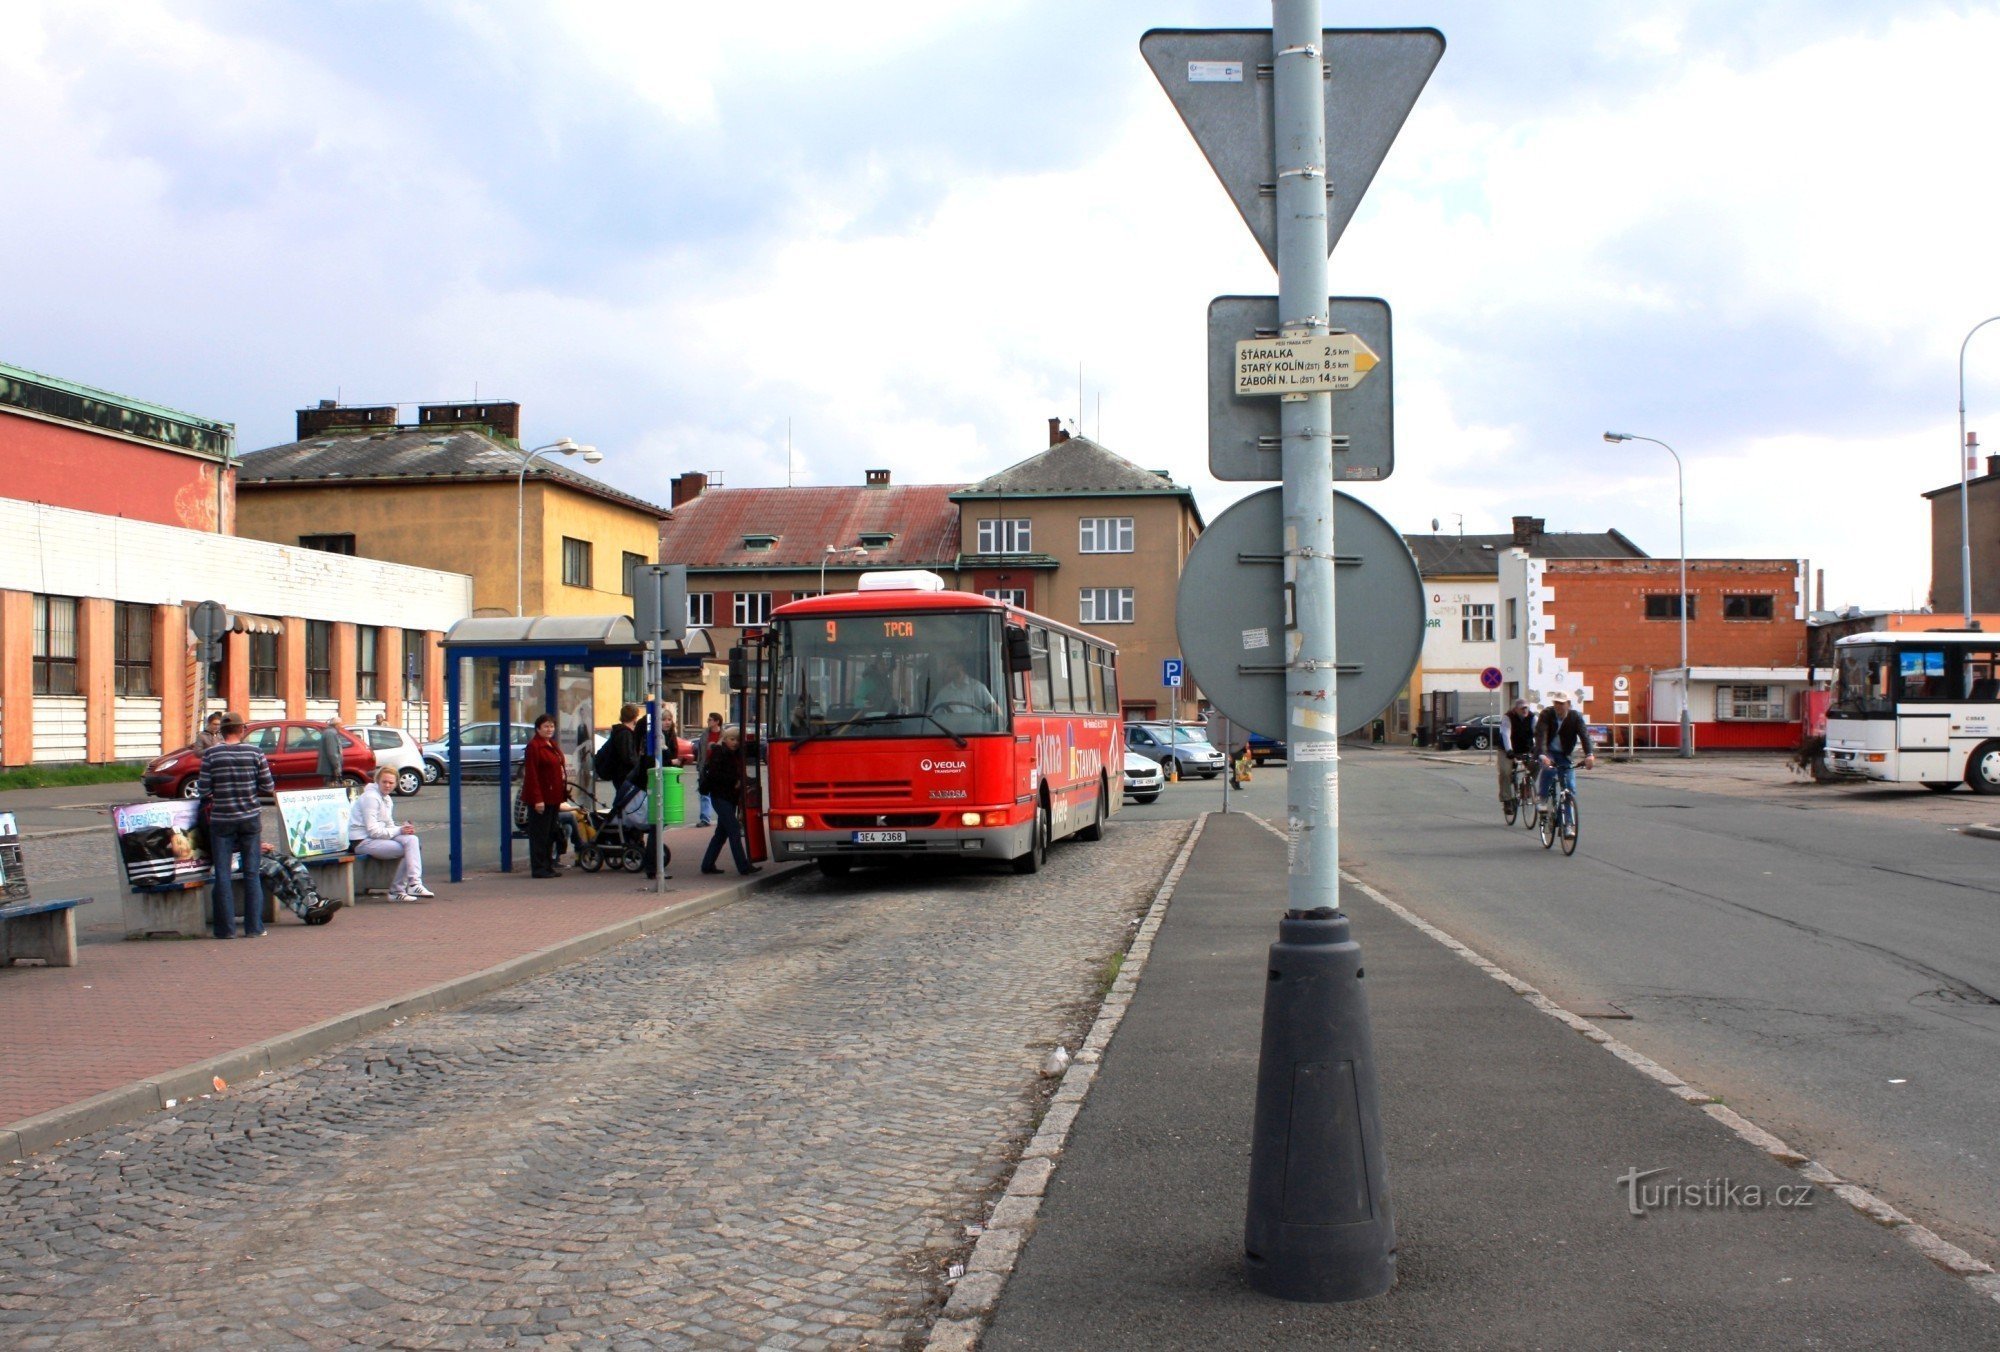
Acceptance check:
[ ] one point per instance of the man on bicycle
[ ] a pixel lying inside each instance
(1558, 730)
(1514, 740)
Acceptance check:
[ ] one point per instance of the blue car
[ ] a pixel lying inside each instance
(1262, 748)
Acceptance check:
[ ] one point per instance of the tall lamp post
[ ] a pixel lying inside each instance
(1965, 513)
(858, 551)
(567, 446)
(1680, 493)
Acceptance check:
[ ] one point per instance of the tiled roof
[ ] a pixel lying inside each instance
(1078, 465)
(402, 454)
(1468, 555)
(709, 531)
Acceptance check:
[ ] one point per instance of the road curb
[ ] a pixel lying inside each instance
(115, 1107)
(1013, 1219)
(1988, 832)
(1979, 1275)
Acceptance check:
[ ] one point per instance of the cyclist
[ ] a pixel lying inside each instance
(1514, 740)
(1558, 730)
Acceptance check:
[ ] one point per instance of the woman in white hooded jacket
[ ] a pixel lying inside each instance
(373, 831)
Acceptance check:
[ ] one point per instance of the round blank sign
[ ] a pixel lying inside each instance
(1231, 612)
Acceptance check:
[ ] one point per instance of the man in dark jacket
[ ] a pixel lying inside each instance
(1558, 731)
(619, 756)
(331, 744)
(234, 777)
(1514, 739)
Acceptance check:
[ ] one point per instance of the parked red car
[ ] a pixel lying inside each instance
(291, 746)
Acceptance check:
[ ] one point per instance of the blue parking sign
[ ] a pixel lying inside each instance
(1171, 673)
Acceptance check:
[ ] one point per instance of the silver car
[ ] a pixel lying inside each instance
(478, 751)
(1192, 753)
(1143, 779)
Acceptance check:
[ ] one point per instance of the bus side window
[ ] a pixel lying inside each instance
(1059, 700)
(1107, 681)
(1981, 682)
(1079, 676)
(1038, 675)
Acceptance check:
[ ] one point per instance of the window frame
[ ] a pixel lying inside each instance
(1013, 596)
(367, 661)
(319, 678)
(1472, 616)
(53, 669)
(1749, 601)
(416, 664)
(629, 565)
(701, 610)
(335, 543)
(264, 683)
(754, 615)
(1121, 599)
(1006, 535)
(1670, 602)
(1092, 530)
(1748, 702)
(577, 563)
(132, 671)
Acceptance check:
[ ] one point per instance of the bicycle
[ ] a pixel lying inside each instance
(1521, 809)
(1561, 820)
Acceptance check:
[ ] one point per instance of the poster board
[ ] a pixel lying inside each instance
(13, 877)
(315, 821)
(159, 844)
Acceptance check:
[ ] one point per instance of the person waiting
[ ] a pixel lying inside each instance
(374, 833)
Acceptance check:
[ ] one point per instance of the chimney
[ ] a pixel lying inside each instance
(328, 415)
(501, 419)
(1527, 529)
(1056, 434)
(688, 487)
(1993, 464)
(878, 478)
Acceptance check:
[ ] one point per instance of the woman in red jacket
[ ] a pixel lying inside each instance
(544, 785)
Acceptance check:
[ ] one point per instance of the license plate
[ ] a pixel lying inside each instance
(881, 837)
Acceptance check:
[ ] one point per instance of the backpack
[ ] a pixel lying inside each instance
(704, 780)
(605, 762)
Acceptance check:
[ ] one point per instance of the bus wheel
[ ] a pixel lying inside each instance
(1095, 831)
(1982, 771)
(834, 867)
(1038, 848)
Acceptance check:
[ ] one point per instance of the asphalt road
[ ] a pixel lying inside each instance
(1834, 974)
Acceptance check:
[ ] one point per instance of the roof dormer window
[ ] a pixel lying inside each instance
(759, 541)
(876, 539)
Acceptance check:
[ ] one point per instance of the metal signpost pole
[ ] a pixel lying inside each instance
(655, 804)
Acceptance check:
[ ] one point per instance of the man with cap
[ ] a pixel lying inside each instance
(1558, 730)
(1513, 740)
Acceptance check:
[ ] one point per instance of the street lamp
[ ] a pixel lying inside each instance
(831, 551)
(1964, 513)
(566, 446)
(1687, 676)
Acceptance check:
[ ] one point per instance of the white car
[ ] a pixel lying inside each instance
(1143, 778)
(395, 748)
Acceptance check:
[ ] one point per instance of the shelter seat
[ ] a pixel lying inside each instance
(42, 930)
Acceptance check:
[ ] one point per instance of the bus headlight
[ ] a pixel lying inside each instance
(795, 822)
(968, 819)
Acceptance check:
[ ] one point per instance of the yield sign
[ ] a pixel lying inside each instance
(1220, 84)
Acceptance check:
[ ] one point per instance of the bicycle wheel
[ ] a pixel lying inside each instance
(1572, 823)
(1545, 822)
(1528, 796)
(1510, 808)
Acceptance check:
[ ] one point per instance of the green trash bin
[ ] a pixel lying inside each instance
(670, 796)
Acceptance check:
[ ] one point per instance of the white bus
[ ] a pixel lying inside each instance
(1917, 708)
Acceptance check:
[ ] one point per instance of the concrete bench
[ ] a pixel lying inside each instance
(181, 909)
(40, 929)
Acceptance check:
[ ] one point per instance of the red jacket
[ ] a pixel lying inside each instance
(544, 774)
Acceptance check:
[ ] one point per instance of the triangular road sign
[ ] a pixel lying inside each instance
(1220, 82)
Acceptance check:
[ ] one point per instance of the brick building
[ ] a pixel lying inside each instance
(1609, 630)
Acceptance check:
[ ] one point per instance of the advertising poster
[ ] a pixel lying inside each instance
(159, 842)
(13, 878)
(315, 821)
(576, 725)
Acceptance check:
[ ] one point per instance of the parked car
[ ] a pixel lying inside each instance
(291, 746)
(1143, 778)
(397, 749)
(478, 750)
(1192, 753)
(686, 751)
(1262, 748)
(1477, 734)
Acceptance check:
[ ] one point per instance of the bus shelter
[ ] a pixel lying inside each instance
(550, 642)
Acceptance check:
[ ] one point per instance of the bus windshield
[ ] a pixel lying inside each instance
(1865, 674)
(921, 674)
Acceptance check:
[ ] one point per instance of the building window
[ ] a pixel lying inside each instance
(1513, 618)
(366, 645)
(1013, 596)
(633, 689)
(1476, 623)
(632, 563)
(328, 544)
(1105, 605)
(1749, 704)
(319, 659)
(1104, 535)
(752, 609)
(1748, 607)
(132, 649)
(576, 562)
(55, 645)
(416, 654)
(701, 609)
(1668, 607)
(1008, 536)
(263, 666)
(806, 595)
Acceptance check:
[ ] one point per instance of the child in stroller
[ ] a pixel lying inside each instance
(290, 883)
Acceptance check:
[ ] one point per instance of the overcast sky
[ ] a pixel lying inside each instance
(1756, 231)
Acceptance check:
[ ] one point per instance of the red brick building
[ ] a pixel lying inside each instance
(1608, 630)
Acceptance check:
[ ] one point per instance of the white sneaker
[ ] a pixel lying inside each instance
(394, 895)
(421, 893)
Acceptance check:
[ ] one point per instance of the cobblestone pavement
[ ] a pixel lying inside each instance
(767, 1128)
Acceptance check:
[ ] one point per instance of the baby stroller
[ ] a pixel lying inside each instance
(289, 882)
(603, 839)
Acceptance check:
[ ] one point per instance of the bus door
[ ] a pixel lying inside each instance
(749, 679)
(1923, 734)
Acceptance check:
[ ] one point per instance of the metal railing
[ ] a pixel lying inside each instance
(1642, 739)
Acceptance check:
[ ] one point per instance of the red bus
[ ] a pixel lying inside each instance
(907, 720)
